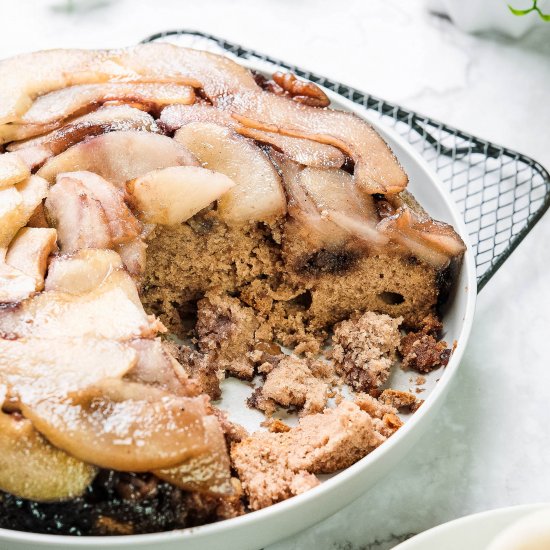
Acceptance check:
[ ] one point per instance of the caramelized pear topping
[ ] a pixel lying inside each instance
(112, 310)
(258, 194)
(303, 151)
(110, 118)
(31, 468)
(82, 271)
(17, 204)
(29, 252)
(122, 425)
(120, 156)
(208, 472)
(61, 104)
(376, 168)
(12, 170)
(173, 195)
(41, 368)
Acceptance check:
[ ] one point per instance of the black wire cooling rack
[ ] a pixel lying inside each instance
(502, 194)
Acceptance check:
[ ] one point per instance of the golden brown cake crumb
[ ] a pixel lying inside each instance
(384, 416)
(423, 353)
(365, 349)
(431, 324)
(226, 330)
(372, 406)
(417, 405)
(398, 399)
(275, 466)
(275, 425)
(295, 382)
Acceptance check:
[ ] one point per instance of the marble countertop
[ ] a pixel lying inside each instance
(490, 446)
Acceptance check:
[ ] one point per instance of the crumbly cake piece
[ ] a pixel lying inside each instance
(384, 415)
(226, 332)
(423, 351)
(275, 466)
(364, 349)
(295, 382)
(398, 399)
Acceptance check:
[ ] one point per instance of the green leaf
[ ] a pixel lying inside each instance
(543, 16)
(520, 12)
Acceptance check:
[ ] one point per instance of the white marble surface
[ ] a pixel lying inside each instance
(491, 445)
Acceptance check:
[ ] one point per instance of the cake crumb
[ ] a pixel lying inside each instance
(420, 380)
(275, 466)
(275, 425)
(398, 399)
(295, 382)
(417, 405)
(432, 325)
(384, 415)
(364, 349)
(423, 353)
(226, 330)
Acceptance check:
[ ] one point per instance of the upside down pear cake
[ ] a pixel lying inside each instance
(168, 219)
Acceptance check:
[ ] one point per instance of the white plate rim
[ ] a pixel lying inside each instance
(247, 521)
(453, 528)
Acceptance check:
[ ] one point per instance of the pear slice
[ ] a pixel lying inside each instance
(306, 223)
(11, 214)
(119, 156)
(29, 252)
(376, 169)
(107, 118)
(17, 205)
(123, 226)
(89, 212)
(111, 310)
(82, 271)
(210, 471)
(110, 118)
(303, 151)
(79, 218)
(60, 104)
(172, 195)
(15, 285)
(338, 200)
(30, 75)
(156, 367)
(134, 256)
(12, 169)
(435, 243)
(31, 468)
(122, 425)
(36, 368)
(258, 195)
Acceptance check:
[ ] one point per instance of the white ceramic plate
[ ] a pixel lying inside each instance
(473, 532)
(269, 525)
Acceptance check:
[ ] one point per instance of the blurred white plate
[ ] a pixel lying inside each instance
(473, 532)
(258, 529)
